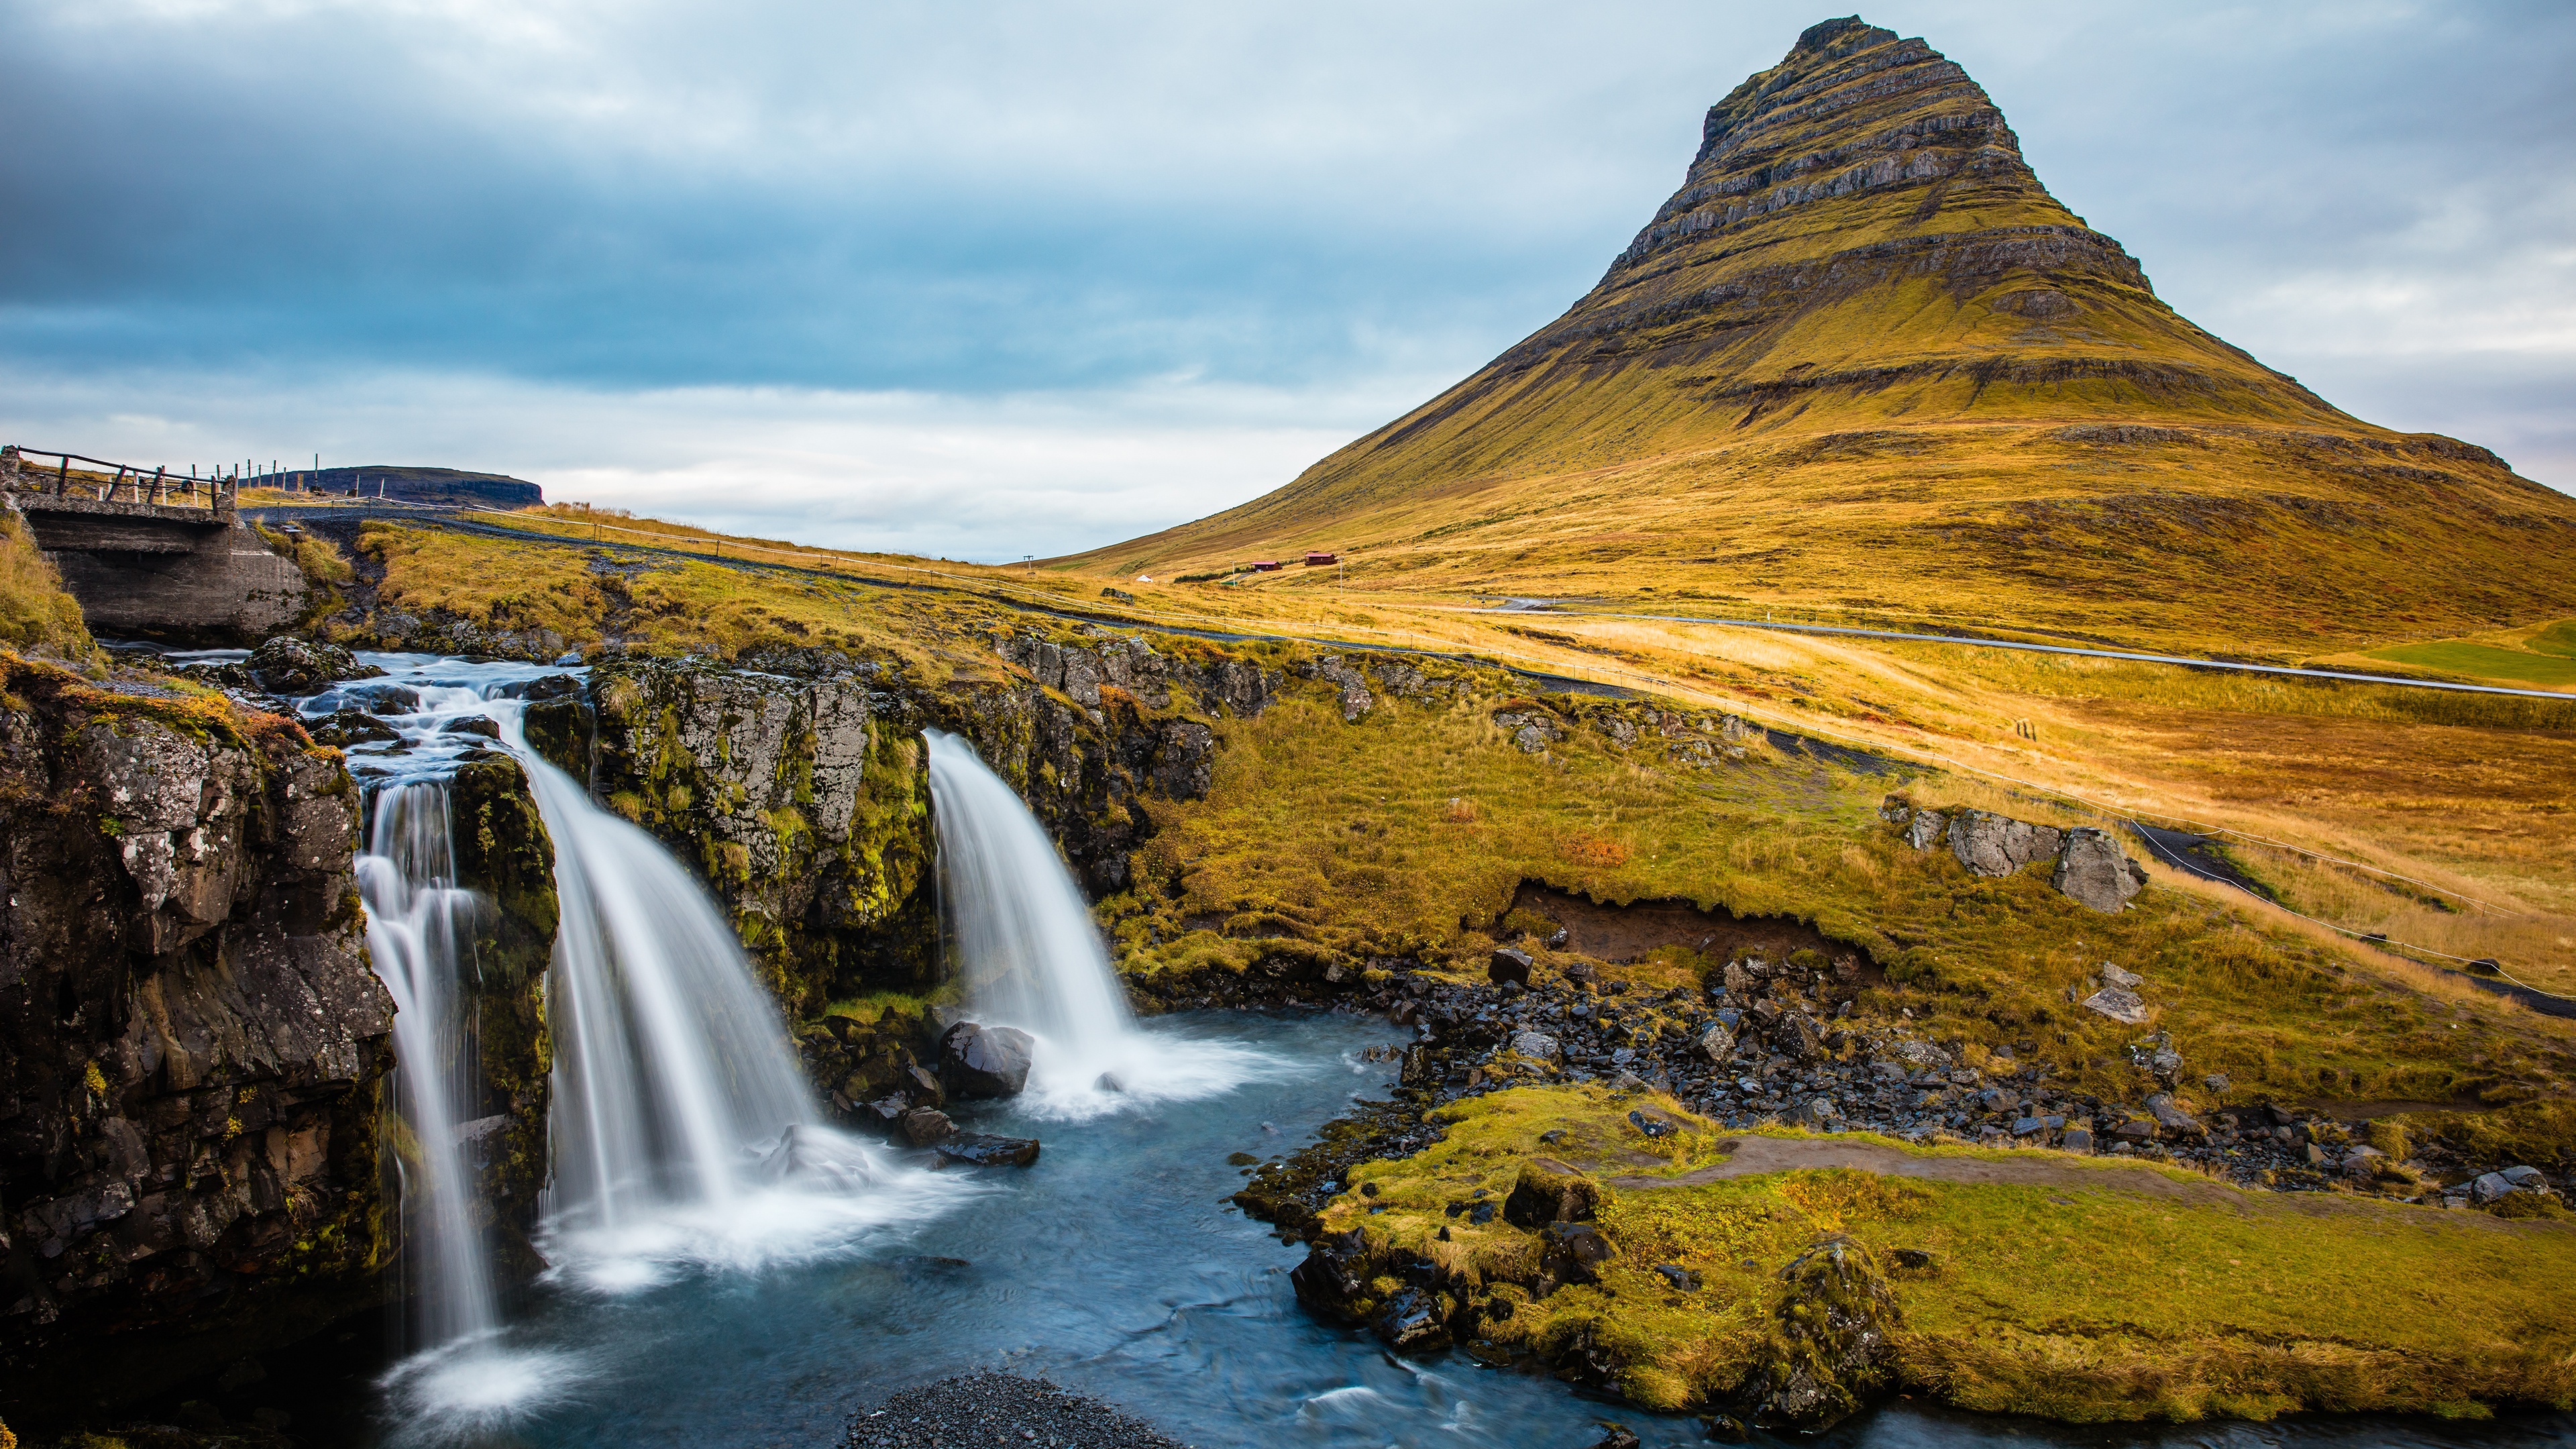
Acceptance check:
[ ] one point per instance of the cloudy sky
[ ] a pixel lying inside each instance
(1009, 278)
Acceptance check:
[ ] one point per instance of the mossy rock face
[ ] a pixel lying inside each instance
(196, 1048)
(505, 856)
(808, 821)
(804, 803)
(1831, 1349)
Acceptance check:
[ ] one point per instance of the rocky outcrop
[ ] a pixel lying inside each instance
(1829, 1349)
(2087, 864)
(1997, 845)
(2097, 872)
(191, 1042)
(502, 854)
(803, 800)
(806, 816)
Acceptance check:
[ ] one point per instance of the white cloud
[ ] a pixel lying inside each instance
(978, 478)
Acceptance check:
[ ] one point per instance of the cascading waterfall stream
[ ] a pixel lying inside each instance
(1033, 958)
(675, 1086)
(683, 1136)
(417, 923)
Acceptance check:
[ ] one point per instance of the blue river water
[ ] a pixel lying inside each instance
(1114, 1266)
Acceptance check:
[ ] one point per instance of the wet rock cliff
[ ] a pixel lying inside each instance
(192, 1045)
(803, 799)
(504, 856)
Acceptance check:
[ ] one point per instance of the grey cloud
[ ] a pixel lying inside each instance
(1332, 201)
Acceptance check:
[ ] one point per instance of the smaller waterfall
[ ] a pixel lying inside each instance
(416, 921)
(1032, 957)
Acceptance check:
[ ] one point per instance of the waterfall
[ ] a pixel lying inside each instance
(671, 1063)
(682, 1134)
(1032, 958)
(417, 920)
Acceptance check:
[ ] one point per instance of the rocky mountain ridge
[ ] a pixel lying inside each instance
(1862, 360)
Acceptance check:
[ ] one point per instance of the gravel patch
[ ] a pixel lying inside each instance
(998, 1408)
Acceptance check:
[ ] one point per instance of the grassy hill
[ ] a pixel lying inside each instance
(1863, 364)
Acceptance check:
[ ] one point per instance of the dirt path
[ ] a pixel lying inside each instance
(1753, 1156)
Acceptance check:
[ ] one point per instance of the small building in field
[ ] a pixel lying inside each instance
(1267, 566)
(1314, 558)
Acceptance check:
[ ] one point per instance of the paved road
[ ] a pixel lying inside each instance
(1520, 606)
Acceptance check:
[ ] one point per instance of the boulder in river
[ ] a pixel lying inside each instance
(976, 1060)
(980, 1149)
(923, 1126)
(287, 665)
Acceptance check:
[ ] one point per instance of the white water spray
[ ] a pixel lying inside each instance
(1033, 959)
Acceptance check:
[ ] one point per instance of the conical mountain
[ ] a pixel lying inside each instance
(1863, 362)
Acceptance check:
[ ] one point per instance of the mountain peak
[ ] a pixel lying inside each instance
(1863, 332)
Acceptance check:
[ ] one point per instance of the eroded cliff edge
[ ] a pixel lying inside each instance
(192, 1045)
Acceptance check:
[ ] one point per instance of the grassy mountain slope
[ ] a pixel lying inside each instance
(1863, 362)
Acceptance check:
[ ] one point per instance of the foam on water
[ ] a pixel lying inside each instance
(474, 1388)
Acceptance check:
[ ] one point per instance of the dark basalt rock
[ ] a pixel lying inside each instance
(347, 727)
(1412, 1321)
(977, 1149)
(1510, 964)
(1331, 1277)
(976, 1060)
(191, 1046)
(287, 665)
(926, 1126)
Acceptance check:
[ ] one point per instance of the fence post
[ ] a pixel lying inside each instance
(156, 482)
(63, 478)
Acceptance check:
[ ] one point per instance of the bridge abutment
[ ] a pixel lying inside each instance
(182, 575)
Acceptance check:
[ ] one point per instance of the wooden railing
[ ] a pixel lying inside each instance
(18, 471)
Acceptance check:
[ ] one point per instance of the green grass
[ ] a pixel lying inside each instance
(2083, 1299)
(36, 615)
(1406, 833)
(2485, 661)
(2558, 639)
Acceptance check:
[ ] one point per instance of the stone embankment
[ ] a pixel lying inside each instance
(194, 1045)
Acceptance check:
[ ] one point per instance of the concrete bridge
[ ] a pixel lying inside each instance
(151, 564)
